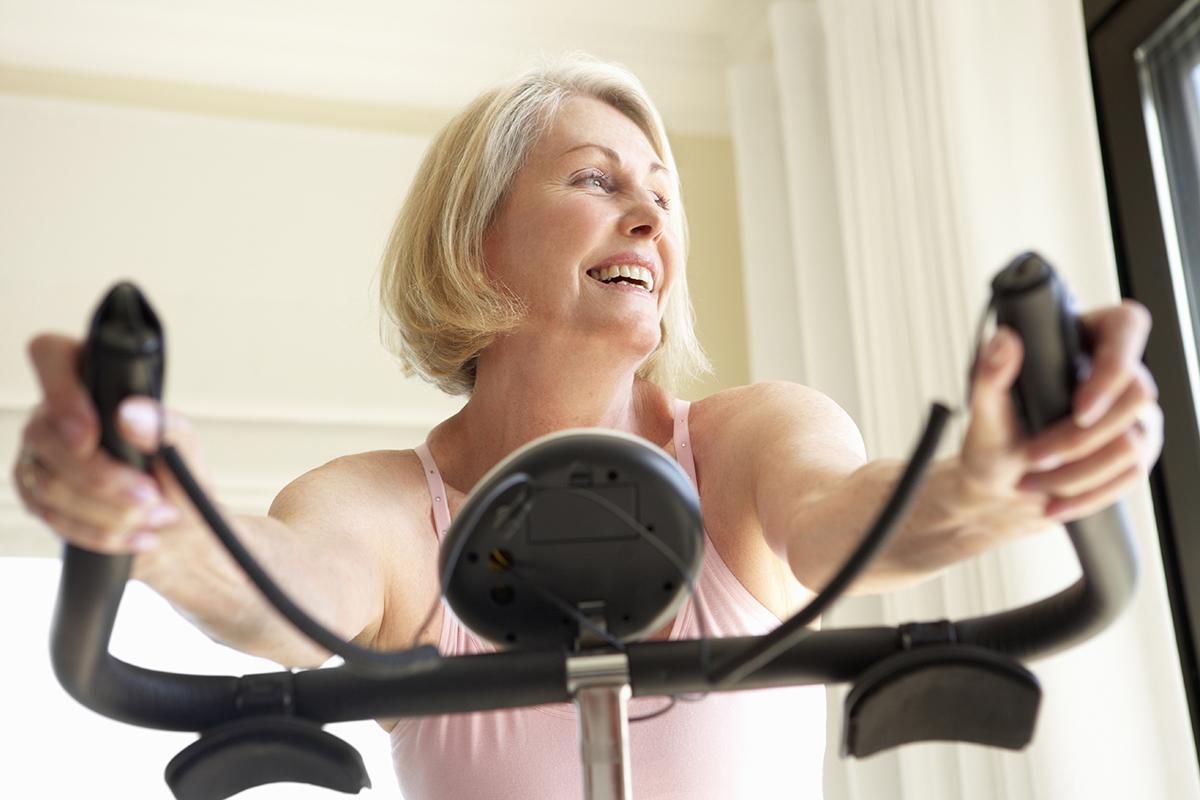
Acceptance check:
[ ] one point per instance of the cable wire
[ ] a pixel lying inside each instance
(793, 631)
(361, 659)
(511, 521)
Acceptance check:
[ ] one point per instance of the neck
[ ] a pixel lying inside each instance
(521, 395)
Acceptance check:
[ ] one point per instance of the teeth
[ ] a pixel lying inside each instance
(624, 271)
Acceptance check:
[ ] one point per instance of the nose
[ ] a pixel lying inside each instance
(644, 220)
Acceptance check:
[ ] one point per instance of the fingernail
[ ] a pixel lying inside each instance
(161, 515)
(1047, 463)
(145, 495)
(1092, 413)
(1058, 514)
(142, 418)
(993, 354)
(142, 541)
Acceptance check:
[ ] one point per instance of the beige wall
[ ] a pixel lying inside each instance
(705, 163)
(715, 263)
(254, 223)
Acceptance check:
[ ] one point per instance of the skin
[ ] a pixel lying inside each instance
(784, 481)
(573, 362)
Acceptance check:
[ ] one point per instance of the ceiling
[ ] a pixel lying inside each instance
(426, 54)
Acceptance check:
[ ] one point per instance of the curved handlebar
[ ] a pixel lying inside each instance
(92, 585)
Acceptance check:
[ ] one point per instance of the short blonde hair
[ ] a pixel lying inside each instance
(439, 309)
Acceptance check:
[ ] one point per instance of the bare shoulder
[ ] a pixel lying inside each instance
(752, 445)
(357, 487)
(376, 504)
(769, 442)
(744, 416)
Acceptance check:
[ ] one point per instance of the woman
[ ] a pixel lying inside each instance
(538, 267)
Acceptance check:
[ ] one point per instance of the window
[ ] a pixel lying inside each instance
(1145, 59)
(1169, 76)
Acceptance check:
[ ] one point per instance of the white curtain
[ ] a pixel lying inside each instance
(892, 156)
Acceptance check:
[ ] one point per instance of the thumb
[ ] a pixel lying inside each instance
(146, 425)
(994, 428)
(141, 422)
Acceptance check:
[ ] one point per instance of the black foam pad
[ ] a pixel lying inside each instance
(952, 692)
(254, 751)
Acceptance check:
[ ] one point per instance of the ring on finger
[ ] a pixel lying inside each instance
(1143, 422)
(28, 464)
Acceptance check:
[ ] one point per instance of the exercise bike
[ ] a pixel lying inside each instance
(566, 555)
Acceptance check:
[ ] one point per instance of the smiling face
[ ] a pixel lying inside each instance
(592, 196)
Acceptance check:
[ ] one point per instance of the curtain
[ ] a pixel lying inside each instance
(892, 155)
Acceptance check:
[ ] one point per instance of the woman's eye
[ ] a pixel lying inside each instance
(605, 184)
(599, 180)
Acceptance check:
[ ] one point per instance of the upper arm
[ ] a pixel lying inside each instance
(351, 513)
(801, 442)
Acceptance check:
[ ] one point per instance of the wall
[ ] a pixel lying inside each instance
(254, 222)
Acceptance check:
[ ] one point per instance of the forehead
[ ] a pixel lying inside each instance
(586, 120)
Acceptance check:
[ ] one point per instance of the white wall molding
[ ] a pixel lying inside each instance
(13, 408)
(251, 456)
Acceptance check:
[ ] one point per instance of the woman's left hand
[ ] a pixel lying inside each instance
(1078, 465)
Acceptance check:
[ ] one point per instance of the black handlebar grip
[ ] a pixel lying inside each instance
(123, 356)
(1030, 299)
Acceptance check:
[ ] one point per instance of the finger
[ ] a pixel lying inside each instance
(99, 539)
(1072, 508)
(56, 361)
(1150, 422)
(43, 491)
(1066, 441)
(1098, 469)
(97, 474)
(1120, 333)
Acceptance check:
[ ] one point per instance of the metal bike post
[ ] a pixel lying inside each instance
(599, 685)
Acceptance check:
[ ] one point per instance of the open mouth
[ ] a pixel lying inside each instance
(624, 273)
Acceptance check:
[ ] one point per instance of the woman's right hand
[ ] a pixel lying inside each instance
(84, 494)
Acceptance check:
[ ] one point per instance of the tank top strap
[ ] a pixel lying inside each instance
(437, 490)
(683, 443)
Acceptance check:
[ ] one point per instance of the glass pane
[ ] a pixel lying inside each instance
(1169, 66)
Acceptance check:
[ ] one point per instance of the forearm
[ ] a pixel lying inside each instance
(950, 520)
(201, 580)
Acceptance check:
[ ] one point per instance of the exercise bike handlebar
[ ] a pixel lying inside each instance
(1027, 296)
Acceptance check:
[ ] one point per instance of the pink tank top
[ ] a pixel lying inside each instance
(753, 744)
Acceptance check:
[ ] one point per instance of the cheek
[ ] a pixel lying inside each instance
(556, 230)
(671, 249)
(573, 218)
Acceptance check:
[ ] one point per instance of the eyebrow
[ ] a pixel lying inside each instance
(612, 154)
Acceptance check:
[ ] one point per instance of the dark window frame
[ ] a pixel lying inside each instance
(1116, 28)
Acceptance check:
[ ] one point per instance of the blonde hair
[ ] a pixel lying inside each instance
(439, 309)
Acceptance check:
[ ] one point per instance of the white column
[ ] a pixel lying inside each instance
(826, 330)
(774, 329)
(1114, 722)
(925, 142)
